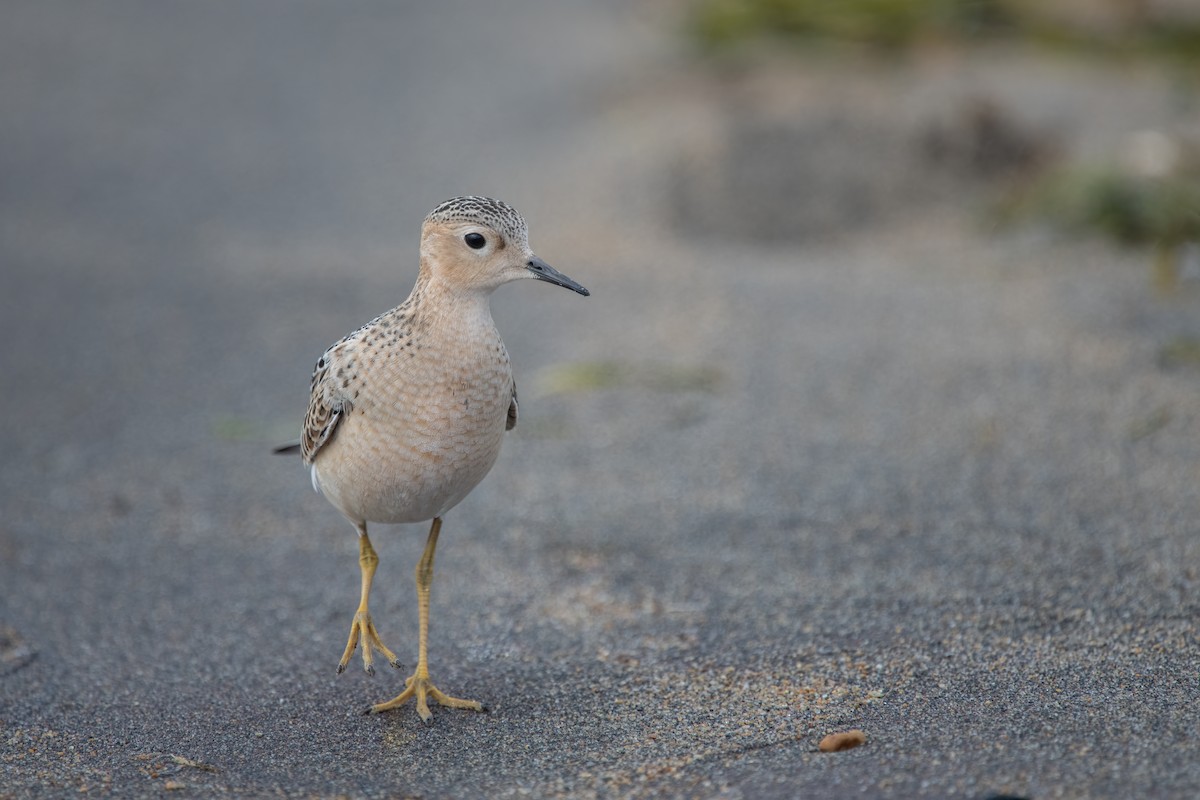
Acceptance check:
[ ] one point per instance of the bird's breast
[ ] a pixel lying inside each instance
(424, 427)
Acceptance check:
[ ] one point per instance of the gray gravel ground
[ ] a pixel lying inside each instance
(930, 482)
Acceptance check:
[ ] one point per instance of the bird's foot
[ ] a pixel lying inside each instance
(363, 627)
(419, 686)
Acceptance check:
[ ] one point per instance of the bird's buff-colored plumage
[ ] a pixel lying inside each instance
(407, 414)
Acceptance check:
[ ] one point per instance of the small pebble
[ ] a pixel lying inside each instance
(846, 740)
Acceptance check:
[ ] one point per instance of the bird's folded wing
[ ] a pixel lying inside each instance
(326, 404)
(512, 410)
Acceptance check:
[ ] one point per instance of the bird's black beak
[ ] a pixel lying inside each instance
(544, 272)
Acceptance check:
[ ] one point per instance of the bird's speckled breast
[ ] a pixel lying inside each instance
(427, 425)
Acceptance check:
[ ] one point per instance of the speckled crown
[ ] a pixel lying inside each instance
(496, 215)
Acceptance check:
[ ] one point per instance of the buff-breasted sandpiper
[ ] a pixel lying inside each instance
(408, 412)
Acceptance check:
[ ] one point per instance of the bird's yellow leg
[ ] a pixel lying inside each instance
(362, 626)
(418, 684)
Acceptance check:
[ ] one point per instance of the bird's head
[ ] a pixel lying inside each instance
(476, 244)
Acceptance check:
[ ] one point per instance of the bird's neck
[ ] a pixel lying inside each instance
(462, 308)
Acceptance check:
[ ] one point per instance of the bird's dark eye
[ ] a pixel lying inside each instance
(475, 240)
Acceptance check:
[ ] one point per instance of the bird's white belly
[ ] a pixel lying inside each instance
(404, 467)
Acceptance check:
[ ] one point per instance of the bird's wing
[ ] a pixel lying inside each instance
(512, 410)
(326, 404)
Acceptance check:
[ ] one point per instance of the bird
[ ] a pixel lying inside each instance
(406, 415)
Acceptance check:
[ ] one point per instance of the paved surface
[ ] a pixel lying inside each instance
(936, 485)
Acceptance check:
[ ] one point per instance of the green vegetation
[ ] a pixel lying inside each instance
(1150, 424)
(1130, 209)
(1184, 351)
(887, 23)
(1148, 198)
(895, 24)
(586, 376)
(240, 429)
(1157, 208)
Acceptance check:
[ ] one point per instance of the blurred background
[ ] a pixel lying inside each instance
(883, 411)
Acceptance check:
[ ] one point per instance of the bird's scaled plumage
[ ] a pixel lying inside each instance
(406, 414)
